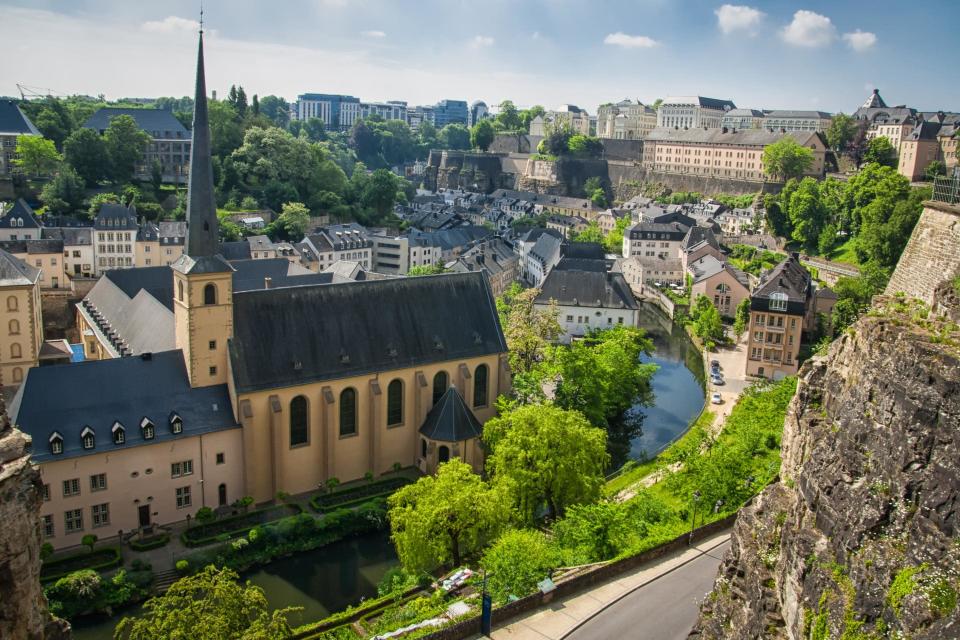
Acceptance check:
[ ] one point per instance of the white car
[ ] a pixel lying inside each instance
(715, 398)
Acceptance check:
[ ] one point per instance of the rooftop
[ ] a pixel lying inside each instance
(159, 123)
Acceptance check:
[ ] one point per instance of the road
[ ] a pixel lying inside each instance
(664, 609)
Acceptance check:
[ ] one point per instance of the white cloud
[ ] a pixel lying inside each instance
(860, 41)
(373, 34)
(481, 41)
(809, 29)
(171, 24)
(535, 35)
(621, 39)
(733, 17)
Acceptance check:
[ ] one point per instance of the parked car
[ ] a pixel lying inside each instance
(716, 379)
(715, 398)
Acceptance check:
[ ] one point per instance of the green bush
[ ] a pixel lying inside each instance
(225, 528)
(183, 567)
(356, 495)
(99, 560)
(85, 592)
(153, 542)
(517, 561)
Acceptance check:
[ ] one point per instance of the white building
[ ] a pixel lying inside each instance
(692, 112)
(625, 120)
(340, 242)
(398, 254)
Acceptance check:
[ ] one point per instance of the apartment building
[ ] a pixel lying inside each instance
(169, 140)
(340, 242)
(625, 120)
(495, 260)
(397, 254)
(19, 222)
(116, 231)
(779, 308)
(338, 112)
(818, 121)
(692, 112)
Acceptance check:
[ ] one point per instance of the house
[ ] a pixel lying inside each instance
(567, 225)
(43, 254)
(918, 149)
(160, 243)
(542, 256)
(21, 334)
(495, 259)
(699, 241)
(169, 140)
(78, 254)
(655, 239)
(780, 308)
(19, 222)
(116, 230)
(340, 242)
(587, 297)
(265, 389)
(641, 272)
(261, 248)
(722, 283)
(13, 124)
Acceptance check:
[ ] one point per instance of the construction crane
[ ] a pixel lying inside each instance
(26, 93)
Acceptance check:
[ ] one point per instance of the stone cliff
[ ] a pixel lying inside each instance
(859, 540)
(23, 607)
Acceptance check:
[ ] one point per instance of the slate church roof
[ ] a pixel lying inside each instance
(360, 328)
(450, 420)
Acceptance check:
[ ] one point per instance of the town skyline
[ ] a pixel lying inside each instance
(832, 56)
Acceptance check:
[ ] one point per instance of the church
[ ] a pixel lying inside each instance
(266, 389)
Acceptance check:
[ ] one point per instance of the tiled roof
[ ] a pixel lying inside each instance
(159, 123)
(14, 272)
(450, 420)
(19, 216)
(13, 121)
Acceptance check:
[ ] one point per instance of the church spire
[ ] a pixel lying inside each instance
(202, 235)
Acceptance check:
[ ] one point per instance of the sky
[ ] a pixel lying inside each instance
(790, 54)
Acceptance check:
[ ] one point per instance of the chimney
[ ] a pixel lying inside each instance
(267, 282)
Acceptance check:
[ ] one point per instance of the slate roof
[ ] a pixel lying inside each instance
(14, 272)
(708, 266)
(114, 217)
(492, 256)
(450, 239)
(746, 113)
(546, 249)
(451, 420)
(19, 216)
(924, 131)
(874, 101)
(131, 389)
(238, 250)
(744, 137)
(709, 103)
(71, 236)
(366, 327)
(789, 278)
(581, 288)
(816, 115)
(159, 123)
(583, 250)
(13, 121)
(698, 235)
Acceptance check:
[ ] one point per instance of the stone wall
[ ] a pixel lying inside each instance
(629, 150)
(622, 172)
(23, 607)
(932, 254)
(469, 170)
(514, 143)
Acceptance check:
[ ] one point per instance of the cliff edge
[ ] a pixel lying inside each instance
(859, 539)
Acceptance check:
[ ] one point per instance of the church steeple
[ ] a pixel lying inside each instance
(202, 233)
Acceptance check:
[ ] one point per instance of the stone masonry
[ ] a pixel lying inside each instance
(932, 254)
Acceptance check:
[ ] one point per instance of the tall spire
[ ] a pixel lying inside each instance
(202, 235)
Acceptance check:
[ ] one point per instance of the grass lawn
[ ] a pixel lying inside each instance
(845, 254)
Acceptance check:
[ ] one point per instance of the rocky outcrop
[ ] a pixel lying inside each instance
(23, 607)
(860, 538)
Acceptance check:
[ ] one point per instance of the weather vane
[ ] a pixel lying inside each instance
(201, 17)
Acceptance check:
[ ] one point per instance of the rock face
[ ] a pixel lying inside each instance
(859, 540)
(23, 607)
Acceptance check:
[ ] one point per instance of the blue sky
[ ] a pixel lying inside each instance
(779, 54)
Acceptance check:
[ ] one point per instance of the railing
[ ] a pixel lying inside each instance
(947, 189)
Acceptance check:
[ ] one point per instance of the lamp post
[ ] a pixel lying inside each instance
(693, 521)
(716, 506)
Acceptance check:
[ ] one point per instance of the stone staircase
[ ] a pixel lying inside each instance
(163, 579)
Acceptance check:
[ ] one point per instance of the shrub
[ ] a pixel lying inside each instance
(99, 560)
(84, 592)
(517, 561)
(205, 515)
(183, 567)
(153, 542)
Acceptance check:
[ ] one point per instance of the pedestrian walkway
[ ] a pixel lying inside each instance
(558, 619)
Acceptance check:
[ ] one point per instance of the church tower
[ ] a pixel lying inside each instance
(202, 279)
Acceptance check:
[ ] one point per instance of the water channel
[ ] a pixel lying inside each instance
(338, 575)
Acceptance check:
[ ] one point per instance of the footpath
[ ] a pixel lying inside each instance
(562, 617)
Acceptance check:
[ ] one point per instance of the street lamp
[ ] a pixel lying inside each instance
(693, 521)
(716, 506)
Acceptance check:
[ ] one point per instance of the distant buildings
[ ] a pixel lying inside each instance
(742, 119)
(450, 112)
(818, 121)
(569, 116)
(339, 112)
(495, 259)
(340, 242)
(13, 123)
(625, 120)
(478, 111)
(692, 112)
(169, 140)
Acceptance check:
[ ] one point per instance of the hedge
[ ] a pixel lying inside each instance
(99, 560)
(234, 525)
(357, 495)
(153, 542)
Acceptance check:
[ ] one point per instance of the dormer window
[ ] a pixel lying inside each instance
(119, 433)
(147, 429)
(87, 438)
(56, 443)
(176, 423)
(778, 301)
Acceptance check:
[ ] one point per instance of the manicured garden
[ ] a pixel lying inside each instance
(223, 529)
(100, 559)
(357, 494)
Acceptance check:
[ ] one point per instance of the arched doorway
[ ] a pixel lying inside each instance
(222, 495)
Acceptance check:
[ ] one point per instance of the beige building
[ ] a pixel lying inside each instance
(918, 149)
(625, 120)
(949, 137)
(722, 153)
(21, 331)
(45, 255)
(722, 283)
(160, 244)
(569, 116)
(779, 310)
(818, 121)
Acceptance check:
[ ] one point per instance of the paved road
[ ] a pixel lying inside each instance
(665, 609)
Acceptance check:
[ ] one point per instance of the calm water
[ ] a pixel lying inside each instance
(322, 581)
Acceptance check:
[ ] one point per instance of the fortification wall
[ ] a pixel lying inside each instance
(932, 254)
(623, 172)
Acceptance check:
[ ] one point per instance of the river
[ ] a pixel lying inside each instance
(333, 577)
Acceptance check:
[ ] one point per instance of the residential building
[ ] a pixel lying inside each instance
(722, 283)
(655, 239)
(779, 309)
(338, 112)
(169, 140)
(451, 242)
(529, 203)
(625, 120)
(46, 255)
(818, 121)
(266, 390)
(397, 254)
(21, 334)
(116, 232)
(13, 124)
(607, 220)
(692, 112)
(542, 256)
(742, 119)
(722, 153)
(19, 222)
(700, 241)
(893, 128)
(949, 139)
(918, 149)
(568, 116)
(78, 254)
(341, 242)
(567, 225)
(261, 247)
(160, 243)
(494, 259)
(641, 272)
(450, 112)
(587, 297)
(418, 115)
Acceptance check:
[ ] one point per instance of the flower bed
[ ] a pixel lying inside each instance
(153, 542)
(354, 496)
(226, 528)
(99, 560)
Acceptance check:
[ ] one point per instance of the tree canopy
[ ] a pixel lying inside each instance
(125, 143)
(881, 151)
(482, 135)
(786, 158)
(35, 155)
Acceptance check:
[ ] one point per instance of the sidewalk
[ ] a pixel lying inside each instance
(562, 617)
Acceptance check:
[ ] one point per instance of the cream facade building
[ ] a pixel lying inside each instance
(779, 309)
(692, 112)
(625, 120)
(21, 330)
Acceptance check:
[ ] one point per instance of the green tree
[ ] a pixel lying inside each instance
(529, 331)
(438, 519)
(125, 143)
(380, 193)
(807, 215)
(585, 146)
(517, 561)
(64, 194)
(828, 240)
(455, 136)
(614, 239)
(427, 270)
(529, 114)
(880, 150)
(427, 137)
(509, 117)
(854, 295)
(35, 155)
(482, 135)
(86, 152)
(934, 169)
(545, 455)
(786, 158)
(89, 540)
(226, 131)
(276, 109)
(742, 318)
(707, 326)
(591, 233)
(841, 132)
(656, 104)
(54, 121)
(210, 605)
(292, 221)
